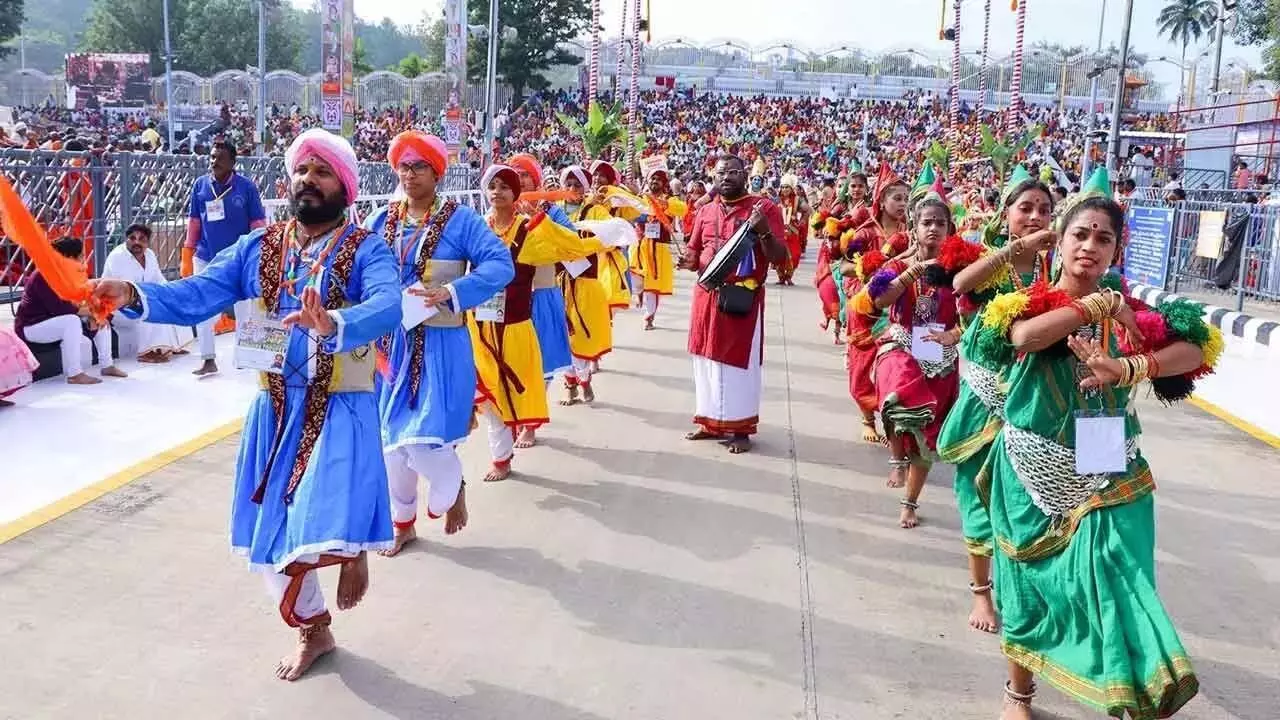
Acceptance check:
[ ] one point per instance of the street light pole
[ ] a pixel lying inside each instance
(168, 78)
(262, 78)
(1087, 164)
(1113, 156)
(1217, 52)
(491, 83)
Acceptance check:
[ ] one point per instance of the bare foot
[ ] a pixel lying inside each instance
(648, 323)
(456, 518)
(113, 371)
(571, 395)
(499, 472)
(180, 351)
(210, 367)
(528, 438)
(402, 538)
(869, 433)
(153, 357)
(983, 617)
(701, 434)
(5, 403)
(83, 379)
(908, 518)
(313, 643)
(588, 395)
(353, 582)
(826, 323)
(738, 444)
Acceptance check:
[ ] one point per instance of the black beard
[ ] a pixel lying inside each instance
(326, 212)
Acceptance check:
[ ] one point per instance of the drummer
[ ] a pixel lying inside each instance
(726, 327)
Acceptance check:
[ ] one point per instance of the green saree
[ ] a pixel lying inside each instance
(1076, 554)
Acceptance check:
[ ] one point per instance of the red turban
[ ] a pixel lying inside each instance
(526, 163)
(599, 166)
(413, 146)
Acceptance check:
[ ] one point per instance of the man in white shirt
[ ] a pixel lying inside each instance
(134, 261)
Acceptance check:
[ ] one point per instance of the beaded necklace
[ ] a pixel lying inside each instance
(298, 255)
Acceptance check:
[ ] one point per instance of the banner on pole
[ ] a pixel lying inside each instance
(455, 67)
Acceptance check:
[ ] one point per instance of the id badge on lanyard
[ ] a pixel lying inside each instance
(1100, 442)
(262, 341)
(652, 230)
(215, 211)
(494, 309)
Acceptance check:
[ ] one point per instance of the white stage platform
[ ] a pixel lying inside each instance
(63, 441)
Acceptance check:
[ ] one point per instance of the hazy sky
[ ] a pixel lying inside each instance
(887, 24)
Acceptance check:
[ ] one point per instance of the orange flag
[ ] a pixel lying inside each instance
(66, 277)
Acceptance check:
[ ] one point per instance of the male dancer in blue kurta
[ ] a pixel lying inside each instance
(549, 319)
(311, 487)
(426, 394)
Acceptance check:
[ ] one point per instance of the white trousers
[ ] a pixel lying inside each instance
(77, 353)
(204, 331)
(440, 467)
(502, 439)
(650, 305)
(580, 372)
(727, 395)
(310, 602)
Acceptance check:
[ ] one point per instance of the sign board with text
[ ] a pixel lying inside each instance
(1146, 255)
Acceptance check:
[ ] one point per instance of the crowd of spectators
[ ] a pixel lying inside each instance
(807, 136)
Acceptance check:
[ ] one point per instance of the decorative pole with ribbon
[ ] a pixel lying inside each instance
(1014, 119)
(986, 49)
(593, 72)
(634, 98)
(622, 44)
(953, 134)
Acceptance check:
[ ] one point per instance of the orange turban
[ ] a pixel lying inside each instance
(413, 146)
(528, 164)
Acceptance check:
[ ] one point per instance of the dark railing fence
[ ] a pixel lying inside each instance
(95, 197)
(1206, 246)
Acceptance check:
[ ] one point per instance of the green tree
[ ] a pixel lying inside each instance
(208, 36)
(1259, 24)
(411, 66)
(432, 33)
(360, 59)
(540, 25)
(11, 18)
(1184, 22)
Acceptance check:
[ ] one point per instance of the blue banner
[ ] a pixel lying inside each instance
(1146, 256)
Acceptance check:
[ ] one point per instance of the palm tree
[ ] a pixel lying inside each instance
(1185, 22)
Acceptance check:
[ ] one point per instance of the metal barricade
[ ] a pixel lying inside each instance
(95, 197)
(1244, 265)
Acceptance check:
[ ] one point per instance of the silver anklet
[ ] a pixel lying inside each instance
(1018, 699)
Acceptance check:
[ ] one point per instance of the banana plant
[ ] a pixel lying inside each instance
(1004, 154)
(941, 158)
(604, 130)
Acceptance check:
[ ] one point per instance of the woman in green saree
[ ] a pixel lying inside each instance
(1069, 493)
(1013, 243)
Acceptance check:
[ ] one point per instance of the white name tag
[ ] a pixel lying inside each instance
(576, 267)
(215, 211)
(262, 341)
(494, 309)
(413, 309)
(923, 348)
(1100, 444)
(652, 230)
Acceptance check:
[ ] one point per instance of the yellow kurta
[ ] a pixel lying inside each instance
(613, 262)
(652, 258)
(587, 308)
(508, 360)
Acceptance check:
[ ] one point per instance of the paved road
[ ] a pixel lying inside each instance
(626, 575)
